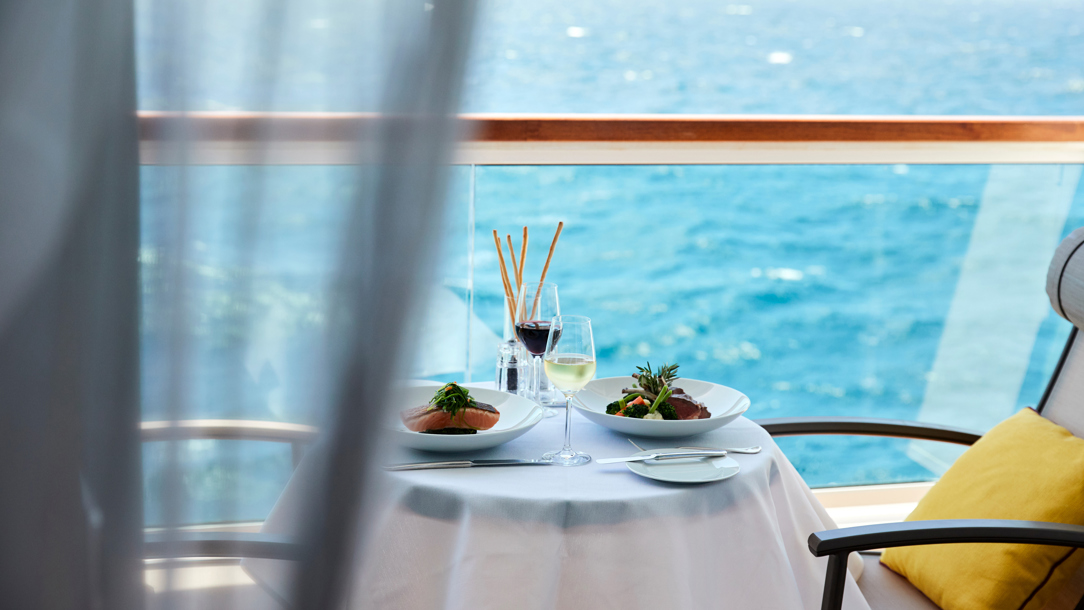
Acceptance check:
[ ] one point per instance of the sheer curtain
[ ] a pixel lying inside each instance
(188, 290)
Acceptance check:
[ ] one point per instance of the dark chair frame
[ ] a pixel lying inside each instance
(838, 544)
(173, 545)
(225, 545)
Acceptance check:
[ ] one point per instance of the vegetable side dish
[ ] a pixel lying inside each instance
(656, 398)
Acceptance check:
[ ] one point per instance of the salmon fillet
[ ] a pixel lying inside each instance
(428, 417)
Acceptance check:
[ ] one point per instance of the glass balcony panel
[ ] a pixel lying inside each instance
(222, 481)
(253, 345)
(906, 292)
(253, 341)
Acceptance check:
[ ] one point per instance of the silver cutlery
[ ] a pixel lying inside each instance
(466, 464)
(749, 450)
(670, 455)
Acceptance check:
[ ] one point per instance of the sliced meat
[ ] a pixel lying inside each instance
(428, 417)
(686, 407)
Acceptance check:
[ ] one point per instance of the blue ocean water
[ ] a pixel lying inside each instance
(779, 56)
(816, 290)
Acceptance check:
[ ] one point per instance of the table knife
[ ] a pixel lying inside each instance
(466, 464)
(664, 456)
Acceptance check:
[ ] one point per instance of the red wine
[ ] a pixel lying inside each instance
(535, 334)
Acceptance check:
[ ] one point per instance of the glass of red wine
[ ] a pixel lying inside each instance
(536, 306)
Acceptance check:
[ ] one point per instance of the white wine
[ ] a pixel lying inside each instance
(570, 372)
(569, 364)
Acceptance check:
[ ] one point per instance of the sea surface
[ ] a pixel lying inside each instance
(816, 290)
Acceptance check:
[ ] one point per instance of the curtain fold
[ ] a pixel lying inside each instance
(186, 291)
(391, 240)
(70, 503)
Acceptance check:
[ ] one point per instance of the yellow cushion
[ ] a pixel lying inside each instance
(1026, 468)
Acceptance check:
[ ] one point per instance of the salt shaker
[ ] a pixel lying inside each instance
(512, 368)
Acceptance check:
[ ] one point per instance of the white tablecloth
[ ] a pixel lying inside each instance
(595, 536)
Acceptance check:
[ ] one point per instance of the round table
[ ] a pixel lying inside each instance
(594, 536)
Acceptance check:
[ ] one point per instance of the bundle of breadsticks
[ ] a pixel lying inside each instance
(511, 290)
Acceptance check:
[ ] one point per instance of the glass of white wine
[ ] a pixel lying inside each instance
(569, 363)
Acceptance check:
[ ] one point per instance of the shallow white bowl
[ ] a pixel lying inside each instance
(518, 415)
(725, 404)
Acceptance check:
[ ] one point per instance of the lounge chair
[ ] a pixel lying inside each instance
(217, 550)
(1060, 403)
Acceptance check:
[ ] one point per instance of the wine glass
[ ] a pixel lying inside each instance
(536, 305)
(570, 364)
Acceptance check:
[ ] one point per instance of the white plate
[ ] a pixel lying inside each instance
(692, 470)
(518, 415)
(725, 404)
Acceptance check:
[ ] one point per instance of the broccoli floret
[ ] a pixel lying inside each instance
(637, 411)
(613, 407)
(667, 411)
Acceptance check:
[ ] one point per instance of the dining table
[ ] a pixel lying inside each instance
(593, 536)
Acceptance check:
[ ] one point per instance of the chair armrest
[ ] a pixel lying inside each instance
(862, 426)
(948, 531)
(226, 429)
(297, 435)
(164, 545)
(837, 544)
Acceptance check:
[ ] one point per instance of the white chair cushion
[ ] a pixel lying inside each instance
(1065, 287)
(1065, 278)
(1065, 405)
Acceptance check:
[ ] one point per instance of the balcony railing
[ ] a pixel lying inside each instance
(330, 139)
(490, 139)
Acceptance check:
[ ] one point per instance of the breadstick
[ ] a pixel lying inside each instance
(515, 267)
(523, 254)
(509, 297)
(545, 270)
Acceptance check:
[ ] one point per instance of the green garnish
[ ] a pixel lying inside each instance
(655, 382)
(452, 398)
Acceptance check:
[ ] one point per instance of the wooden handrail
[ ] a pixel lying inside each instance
(345, 127)
(307, 138)
(752, 128)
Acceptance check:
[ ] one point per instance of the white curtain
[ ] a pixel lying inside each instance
(189, 290)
